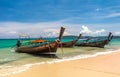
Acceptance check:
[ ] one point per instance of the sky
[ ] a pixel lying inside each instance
(45, 17)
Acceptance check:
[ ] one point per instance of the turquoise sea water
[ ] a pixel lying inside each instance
(9, 58)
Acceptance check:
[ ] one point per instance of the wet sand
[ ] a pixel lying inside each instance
(101, 66)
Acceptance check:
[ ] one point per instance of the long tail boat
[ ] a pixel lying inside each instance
(97, 43)
(71, 43)
(41, 47)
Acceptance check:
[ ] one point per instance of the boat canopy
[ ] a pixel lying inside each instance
(38, 41)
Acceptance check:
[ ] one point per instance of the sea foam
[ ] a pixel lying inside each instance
(18, 69)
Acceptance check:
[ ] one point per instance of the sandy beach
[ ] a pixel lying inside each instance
(100, 66)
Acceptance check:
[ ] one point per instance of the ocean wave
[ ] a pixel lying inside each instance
(18, 69)
(6, 59)
(82, 56)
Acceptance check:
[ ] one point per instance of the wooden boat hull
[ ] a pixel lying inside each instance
(100, 44)
(50, 48)
(71, 43)
(38, 48)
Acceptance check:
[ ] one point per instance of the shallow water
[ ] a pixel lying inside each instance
(11, 61)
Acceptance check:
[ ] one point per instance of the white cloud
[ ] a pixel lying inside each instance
(97, 9)
(12, 32)
(100, 31)
(117, 33)
(51, 32)
(49, 29)
(44, 29)
(87, 31)
(54, 32)
(113, 15)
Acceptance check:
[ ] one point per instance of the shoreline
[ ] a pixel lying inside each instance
(106, 65)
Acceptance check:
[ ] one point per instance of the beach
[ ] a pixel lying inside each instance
(60, 38)
(99, 66)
